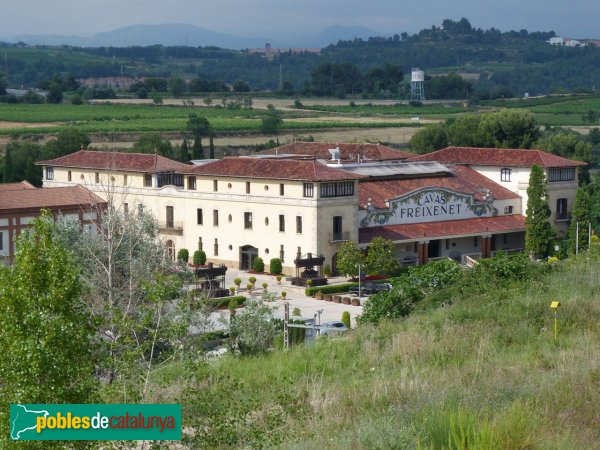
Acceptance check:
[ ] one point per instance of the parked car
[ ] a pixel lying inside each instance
(370, 288)
(334, 327)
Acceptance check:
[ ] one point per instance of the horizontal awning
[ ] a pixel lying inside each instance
(445, 229)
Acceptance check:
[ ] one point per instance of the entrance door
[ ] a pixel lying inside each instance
(247, 256)
(334, 269)
(434, 249)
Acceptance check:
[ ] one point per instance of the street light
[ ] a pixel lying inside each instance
(319, 312)
(359, 277)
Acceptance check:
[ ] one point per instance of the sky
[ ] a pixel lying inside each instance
(284, 19)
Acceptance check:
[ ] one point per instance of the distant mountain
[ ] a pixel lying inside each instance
(143, 35)
(185, 34)
(335, 33)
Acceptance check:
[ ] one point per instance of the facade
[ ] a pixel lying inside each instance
(309, 198)
(21, 203)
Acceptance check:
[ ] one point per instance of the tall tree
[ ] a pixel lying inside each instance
(45, 327)
(431, 138)
(581, 215)
(200, 128)
(380, 258)
(538, 232)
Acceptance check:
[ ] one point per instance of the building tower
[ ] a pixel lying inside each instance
(417, 85)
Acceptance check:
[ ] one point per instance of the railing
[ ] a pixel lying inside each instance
(470, 260)
(408, 262)
(342, 236)
(508, 251)
(563, 217)
(168, 227)
(439, 258)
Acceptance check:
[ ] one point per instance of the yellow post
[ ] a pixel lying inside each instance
(555, 305)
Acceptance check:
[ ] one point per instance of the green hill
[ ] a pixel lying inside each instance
(475, 366)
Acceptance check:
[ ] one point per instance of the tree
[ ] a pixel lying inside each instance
(55, 93)
(509, 128)
(241, 86)
(45, 326)
(153, 143)
(581, 215)
(538, 232)
(177, 86)
(271, 122)
(253, 331)
(349, 258)
(429, 139)
(380, 258)
(393, 304)
(67, 141)
(2, 84)
(568, 145)
(200, 128)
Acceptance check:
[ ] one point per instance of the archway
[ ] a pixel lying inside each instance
(334, 270)
(247, 256)
(171, 250)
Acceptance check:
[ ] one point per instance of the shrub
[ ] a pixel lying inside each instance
(283, 294)
(252, 280)
(237, 281)
(553, 260)
(309, 283)
(199, 258)
(183, 255)
(224, 301)
(296, 312)
(264, 285)
(232, 290)
(258, 265)
(346, 319)
(249, 286)
(233, 304)
(275, 266)
(333, 289)
(327, 270)
(394, 304)
(278, 278)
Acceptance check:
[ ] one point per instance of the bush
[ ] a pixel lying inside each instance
(233, 304)
(296, 312)
(183, 255)
(327, 270)
(264, 285)
(252, 280)
(224, 301)
(258, 265)
(346, 319)
(237, 281)
(275, 266)
(199, 258)
(334, 289)
(394, 304)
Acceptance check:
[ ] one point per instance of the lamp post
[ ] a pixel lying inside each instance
(359, 285)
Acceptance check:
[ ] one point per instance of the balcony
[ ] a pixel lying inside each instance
(338, 237)
(171, 228)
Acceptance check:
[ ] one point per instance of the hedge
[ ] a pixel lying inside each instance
(336, 288)
(223, 302)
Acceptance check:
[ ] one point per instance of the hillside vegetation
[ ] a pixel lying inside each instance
(475, 366)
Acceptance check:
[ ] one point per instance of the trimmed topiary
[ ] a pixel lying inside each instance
(275, 266)
(199, 258)
(258, 265)
(237, 282)
(183, 255)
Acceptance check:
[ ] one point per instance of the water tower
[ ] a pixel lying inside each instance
(417, 85)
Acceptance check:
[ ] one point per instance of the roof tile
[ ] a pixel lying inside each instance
(53, 198)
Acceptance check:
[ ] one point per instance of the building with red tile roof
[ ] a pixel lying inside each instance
(21, 203)
(347, 151)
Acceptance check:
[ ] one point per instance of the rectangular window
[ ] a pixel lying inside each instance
(247, 187)
(340, 189)
(248, 220)
(508, 209)
(126, 208)
(505, 174)
(49, 173)
(337, 228)
(281, 253)
(566, 174)
(215, 217)
(281, 189)
(97, 176)
(148, 180)
(191, 183)
(124, 179)
(475, 241)
(169, 179)
(299, 252)
(69, 175)
(199, 217)
(216, 249)
(2, 241)
(281, 222)
(309, 190)
(299, 224)
(170, 222)
(215, 186)
(561, 209)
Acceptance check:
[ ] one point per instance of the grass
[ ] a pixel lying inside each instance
(482, 372)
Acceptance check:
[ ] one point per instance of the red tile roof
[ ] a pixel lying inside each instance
(463, 180)
(497, 157)
(130, 162)
(282, 169)
(5, 187)
(52, 198)
(371, 152)
(444, 229)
